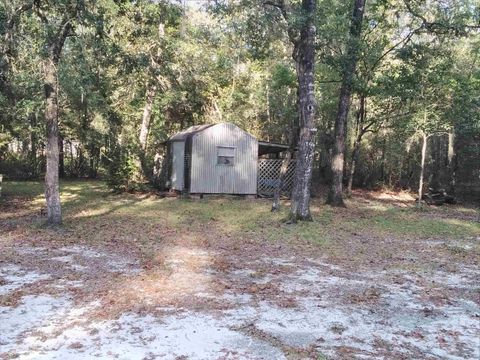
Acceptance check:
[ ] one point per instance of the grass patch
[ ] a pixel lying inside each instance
(28, 189)
(90, 209)
(408, 222)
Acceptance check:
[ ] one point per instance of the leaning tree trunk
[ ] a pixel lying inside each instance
(304, 55)
(422, 168)
(335, 196)
(52, 192)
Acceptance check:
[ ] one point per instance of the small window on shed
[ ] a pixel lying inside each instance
(225, 155)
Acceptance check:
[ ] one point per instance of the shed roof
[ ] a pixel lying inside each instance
(265, 147)
(182, 135)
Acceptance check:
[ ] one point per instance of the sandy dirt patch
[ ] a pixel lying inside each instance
(205, 304)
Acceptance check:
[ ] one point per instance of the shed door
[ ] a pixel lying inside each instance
(178, 156)
(226, 169)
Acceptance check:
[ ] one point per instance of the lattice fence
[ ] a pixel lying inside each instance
(268, 176)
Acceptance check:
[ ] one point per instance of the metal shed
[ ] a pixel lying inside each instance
(213, 159)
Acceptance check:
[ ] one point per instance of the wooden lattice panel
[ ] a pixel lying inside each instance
(268, 176)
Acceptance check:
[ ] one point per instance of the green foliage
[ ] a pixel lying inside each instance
(417, 72)
(16, 166)
(5, 139)
(121, 169)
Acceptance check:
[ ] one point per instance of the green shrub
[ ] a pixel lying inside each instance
(19, 167)
(121, 169)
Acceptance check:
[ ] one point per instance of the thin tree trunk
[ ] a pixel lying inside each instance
(146, 117)
(217, 110)
(304, 56)
(92, 167)
(73, 167)
(80, 160)
(61, 157)
(145, 127)
(382, 163)
(335, 196)
(267, 102)
(359, 132)
(34, 145)
(281, 179)
(435, 156)
(451, 162)
(422, 168)
(284, 168)
(355, 153)
(52, 191)
(398, 183)
(451, 149)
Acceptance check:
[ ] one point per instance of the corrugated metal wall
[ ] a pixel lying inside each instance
(209, 177)
(178, 155)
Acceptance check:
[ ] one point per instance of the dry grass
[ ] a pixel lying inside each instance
(93, 215)
(376, 229)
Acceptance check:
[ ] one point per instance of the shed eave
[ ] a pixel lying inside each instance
(265, 147)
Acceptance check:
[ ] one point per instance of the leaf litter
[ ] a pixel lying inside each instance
(201, 293)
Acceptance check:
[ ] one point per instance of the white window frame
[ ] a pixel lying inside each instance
(233, 156)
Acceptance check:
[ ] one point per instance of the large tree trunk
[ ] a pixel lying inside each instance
(52, 191)
(52, 187)
(335, 196)
(422, 168)
(304, 55)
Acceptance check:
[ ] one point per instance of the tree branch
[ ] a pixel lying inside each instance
(328, 81)
(395, 46)
(284, 8)
(438, 27)
(62, 34)
(21, 9)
